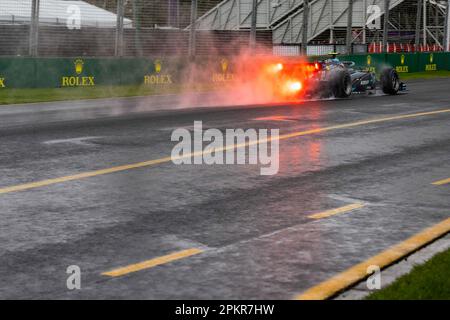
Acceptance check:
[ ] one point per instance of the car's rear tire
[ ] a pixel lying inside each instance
(390, 81)
(342, 84)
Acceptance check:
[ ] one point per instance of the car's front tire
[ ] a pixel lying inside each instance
(390, 81)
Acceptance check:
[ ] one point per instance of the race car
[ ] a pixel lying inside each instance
(344, 79)
(332, 78)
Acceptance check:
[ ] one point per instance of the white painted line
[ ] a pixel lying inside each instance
(402, 104)
(79, 141)
(343, 198)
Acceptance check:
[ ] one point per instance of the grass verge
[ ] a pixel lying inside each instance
(13, 96)
(429, 281)
(425, 75)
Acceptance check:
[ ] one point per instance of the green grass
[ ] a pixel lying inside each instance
(425, 75)
(12, 96)
(430, 281)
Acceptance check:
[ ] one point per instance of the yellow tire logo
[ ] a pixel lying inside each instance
(431, 58)
(369, 60)
(402, 59)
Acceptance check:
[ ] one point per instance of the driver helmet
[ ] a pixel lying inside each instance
(333, 59)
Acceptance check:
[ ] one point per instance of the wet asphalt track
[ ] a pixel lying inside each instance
(254, 230)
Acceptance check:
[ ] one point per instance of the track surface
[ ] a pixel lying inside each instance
(254, 234)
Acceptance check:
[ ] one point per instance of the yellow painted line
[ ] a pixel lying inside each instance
(79, 176)
(353, 275)
(274, 118)
(441, 182)
(152, 263)
(43, 183)
(332, 212)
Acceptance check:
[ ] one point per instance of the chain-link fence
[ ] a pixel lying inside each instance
(134, 28)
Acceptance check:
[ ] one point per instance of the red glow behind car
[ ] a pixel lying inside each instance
(281, 78)
(290, 78)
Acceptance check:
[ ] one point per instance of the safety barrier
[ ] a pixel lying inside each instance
(402, 62)
(20, 72)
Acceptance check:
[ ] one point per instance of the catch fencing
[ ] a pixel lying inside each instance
(146, 28)
(107, 28)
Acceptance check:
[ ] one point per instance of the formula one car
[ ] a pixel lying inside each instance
(343, 79)
(333, 78)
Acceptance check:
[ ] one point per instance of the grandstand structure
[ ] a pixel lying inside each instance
(328, 20)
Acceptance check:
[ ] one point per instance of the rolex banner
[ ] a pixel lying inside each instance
(88, 72)
(79, 72)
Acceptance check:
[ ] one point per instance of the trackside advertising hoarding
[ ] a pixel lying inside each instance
(402, 62)
(86, 72)
(21, 72)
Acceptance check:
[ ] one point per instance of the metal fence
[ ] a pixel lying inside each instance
(61, 28)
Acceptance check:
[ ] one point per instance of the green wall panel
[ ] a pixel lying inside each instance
(403, 62)
(434, 61)
(19, 72)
